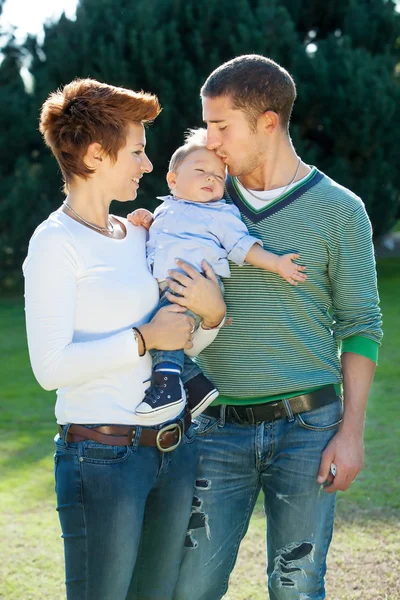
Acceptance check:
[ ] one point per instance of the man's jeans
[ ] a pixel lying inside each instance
(124, 513)
(237, 460)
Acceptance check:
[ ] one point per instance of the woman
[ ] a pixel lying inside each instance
(124, 491)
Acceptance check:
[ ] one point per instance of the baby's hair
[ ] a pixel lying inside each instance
(195, 139)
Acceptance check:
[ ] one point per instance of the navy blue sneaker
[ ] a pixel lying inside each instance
(200, 392)
(163, 400)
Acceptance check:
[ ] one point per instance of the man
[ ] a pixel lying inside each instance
(278, 424)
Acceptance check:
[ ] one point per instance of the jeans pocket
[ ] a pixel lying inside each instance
(204, 424)
(190, 434)
(323, 418)
(103, 454)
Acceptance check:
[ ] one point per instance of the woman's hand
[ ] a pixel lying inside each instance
(169, 329)
(142, 217)
(200, 293)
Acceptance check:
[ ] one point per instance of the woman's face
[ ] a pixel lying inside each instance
(122, 178)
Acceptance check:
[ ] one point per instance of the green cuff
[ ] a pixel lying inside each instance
(357, 344)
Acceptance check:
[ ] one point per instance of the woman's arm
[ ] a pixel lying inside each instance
(51, 269)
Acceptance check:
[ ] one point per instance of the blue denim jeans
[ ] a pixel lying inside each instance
(236, 461)
(124, 513)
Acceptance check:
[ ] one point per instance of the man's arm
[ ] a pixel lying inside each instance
(357, 327)
(346, 449)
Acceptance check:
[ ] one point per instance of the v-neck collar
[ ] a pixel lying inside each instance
(271, 208)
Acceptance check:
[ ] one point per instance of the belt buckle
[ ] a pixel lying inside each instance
(171, 427)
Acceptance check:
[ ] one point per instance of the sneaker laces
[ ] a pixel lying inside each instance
(152, 394)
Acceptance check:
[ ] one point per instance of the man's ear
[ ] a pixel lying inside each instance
(94, 155)
(171, 179)
(269, 121)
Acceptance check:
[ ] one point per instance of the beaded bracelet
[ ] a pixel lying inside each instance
(139, 333)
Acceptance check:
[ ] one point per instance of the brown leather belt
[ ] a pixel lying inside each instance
(166, 438)
(271, 411)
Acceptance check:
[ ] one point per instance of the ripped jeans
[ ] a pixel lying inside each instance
(236, 461)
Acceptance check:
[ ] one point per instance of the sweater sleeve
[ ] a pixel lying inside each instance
(203, 338)
(357, 317)
(51, 270)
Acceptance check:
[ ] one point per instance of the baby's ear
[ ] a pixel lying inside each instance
(171, 179)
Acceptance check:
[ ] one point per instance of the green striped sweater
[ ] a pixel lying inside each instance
(286, 340)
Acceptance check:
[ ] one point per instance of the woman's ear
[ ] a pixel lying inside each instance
(94, 155)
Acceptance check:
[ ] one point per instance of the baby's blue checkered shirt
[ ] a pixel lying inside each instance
(193, 231)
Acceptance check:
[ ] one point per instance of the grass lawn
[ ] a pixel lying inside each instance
(365, 551)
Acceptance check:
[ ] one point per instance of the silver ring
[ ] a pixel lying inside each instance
(181, 290)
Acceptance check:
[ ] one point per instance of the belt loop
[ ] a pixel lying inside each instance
(250, 416)
(136, 437)
(222, 415)
(64, 433)
(288, 410)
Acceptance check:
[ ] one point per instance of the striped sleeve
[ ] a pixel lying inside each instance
(355, 301)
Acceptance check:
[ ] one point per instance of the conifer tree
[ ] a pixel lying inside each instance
(342, 54)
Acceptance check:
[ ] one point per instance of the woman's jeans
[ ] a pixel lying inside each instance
(236, 461)
(124, 513)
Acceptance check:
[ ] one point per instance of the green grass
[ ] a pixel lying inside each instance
(31, 563)
(397, 226)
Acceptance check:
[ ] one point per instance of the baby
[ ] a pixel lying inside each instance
(195, 223)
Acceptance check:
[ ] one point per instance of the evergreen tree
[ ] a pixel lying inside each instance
(342, 54)
(15, 143)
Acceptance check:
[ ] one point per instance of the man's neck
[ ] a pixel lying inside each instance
(277, 169)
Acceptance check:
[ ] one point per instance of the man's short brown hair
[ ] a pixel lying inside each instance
(255, 84)
(87, 111)
(195, 139)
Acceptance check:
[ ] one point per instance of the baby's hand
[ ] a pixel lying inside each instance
(289, 271)
(141, 216)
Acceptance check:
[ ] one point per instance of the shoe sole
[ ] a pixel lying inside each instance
(204, 403)
(160, 415)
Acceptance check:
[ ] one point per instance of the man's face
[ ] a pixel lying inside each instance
(230, 135)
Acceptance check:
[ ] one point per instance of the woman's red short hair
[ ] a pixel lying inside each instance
(87, 111)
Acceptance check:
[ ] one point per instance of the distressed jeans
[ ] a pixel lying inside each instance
(124, 512)
(236, 461)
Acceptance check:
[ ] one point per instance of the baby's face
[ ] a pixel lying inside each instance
(200, 178)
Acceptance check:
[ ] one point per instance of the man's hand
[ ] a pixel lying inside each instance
(346, 449)
(199, 293)
(346, 452)
(141, 216)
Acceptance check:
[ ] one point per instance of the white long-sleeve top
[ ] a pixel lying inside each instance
(83, 294)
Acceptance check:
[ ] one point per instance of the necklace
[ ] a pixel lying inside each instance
(108, 229)
(280, 194)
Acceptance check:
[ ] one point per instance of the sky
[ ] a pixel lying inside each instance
(29, 16)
